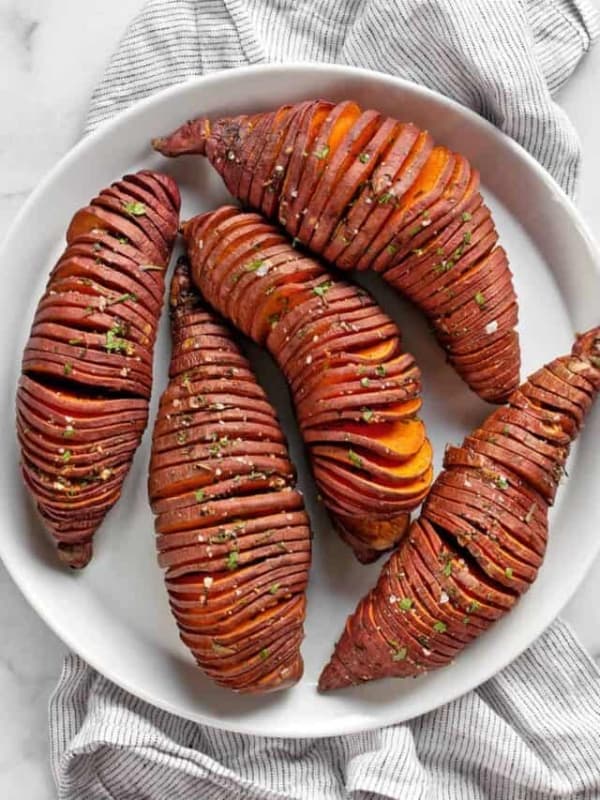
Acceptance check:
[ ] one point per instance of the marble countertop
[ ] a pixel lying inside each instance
(48, 75)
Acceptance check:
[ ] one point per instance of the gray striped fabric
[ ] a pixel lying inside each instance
(533, 731)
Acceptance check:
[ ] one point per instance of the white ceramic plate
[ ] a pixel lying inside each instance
(115, 613)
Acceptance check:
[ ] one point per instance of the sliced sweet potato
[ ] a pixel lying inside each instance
(482, 532)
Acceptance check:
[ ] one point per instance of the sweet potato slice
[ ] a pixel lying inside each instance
(369, 192)
(82, 401)
(233, 535)
(481, 535)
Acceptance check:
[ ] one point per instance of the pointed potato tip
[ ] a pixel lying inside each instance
(77, 555)
(158, 143)
(332, 678)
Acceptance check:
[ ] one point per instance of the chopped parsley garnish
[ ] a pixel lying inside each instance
(380, 370)
(405, 603)
(473, 606)
(67, 368)
(274, 588)
(385, 198)
(465, 216)
(392, 249)
(123, 298)
(467, 236)
(479, 299)
(508, 572)
(322, 289)
(115, 344)
(69, 431)
(447, 569)
(136, 209)
(364, 158)
(264, 654)
(440, 627)
(367, 414)
(355, 459)
(66, 456)
(364, 382)
(322, 152)
(254, 265)
(501, 482)
(399, 653)
(199, 495)
(232, 560)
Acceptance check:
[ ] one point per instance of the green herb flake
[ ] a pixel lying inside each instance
(115, 344)
(501, 482)
(67, 368)
(381, 370)
(385, 198)
(392, 249)
(66, 456)
(136, 209)
(467, 236)
(69, 431)
(440, 627)
(252, 266)
(474, 605)
(274, 588)
(264, 654)
(96, 246)
(466, 216)
(505, 430)
(509, 573)
(355, 459)
(322, 289)
(479, 299)
(399, 653)
(123, 298)
(364, 158)
(322, 152)
(466, 620)
(232, 560)
(199, 495)
(364, 382)
(405, 603)
(439, 251)
(122, 240)
(447, 571)
(367, 414)
(181, 437)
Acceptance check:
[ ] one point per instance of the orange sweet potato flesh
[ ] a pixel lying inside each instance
(356, 393)
(233, 535)
(82, 400)
(482, 532)
(365, 191)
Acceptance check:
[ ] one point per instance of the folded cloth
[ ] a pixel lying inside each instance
(531, 732)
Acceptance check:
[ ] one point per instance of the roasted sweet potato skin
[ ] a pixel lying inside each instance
(481, 536)
(82, 400)
(232, 533)
(368, 192)
(356, 393)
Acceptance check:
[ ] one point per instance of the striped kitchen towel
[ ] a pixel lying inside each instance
(533, 731)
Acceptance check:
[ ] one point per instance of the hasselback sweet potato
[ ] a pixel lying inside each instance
(82, 400)
(232, 533)
(481, 536)
(365, 191)
(356, 393)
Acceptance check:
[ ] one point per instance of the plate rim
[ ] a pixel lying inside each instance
(338, 725)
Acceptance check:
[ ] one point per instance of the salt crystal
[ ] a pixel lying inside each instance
(491, 327)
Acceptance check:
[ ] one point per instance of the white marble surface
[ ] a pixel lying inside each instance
(52, 52)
